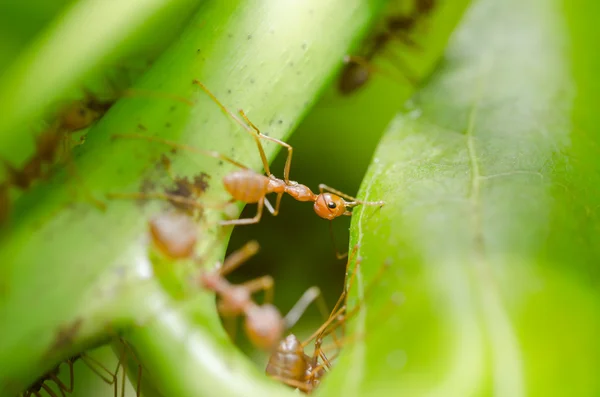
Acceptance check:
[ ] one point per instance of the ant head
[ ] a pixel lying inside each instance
(264, 326)
(329, 206)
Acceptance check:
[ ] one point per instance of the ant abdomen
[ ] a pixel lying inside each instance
(288, 361)
(246, 185)
(353, 77)
(264, 325)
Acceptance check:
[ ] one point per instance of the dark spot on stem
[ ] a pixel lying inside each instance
(65, 335)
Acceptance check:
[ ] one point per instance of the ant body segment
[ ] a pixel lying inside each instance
(263, 324)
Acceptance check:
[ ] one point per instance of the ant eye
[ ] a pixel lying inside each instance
(331, 205)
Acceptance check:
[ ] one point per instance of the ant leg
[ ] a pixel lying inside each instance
(324, 188)
(177, 145)
(310, 295)
(71, 378)
(234, 117)
(125, 353)
(277, 204)
(404, 38)
(50, 391)
(406, 72)
(321, 330)
(273, 212)
(290, 149)
(360, 61)
(353, 200)
(342, 316)
(347, 286)
(247, 221)
(62, 388)
(238, 257)
(293, 383)
(72, 170)
(264, 283)
(408, 76)
(96, 367)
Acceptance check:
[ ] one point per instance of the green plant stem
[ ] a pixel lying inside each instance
(65, 261)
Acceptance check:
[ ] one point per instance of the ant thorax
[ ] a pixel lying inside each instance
(299, 192)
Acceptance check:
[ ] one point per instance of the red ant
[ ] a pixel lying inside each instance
(75, 116)
(251, 187)
(289, 363)
(175, 236)
(263, 324)
(358, 69)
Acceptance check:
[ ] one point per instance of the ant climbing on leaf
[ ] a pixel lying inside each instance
(290, 364)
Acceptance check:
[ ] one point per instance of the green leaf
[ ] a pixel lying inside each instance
(491, 227)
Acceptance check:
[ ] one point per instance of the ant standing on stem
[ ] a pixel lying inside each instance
(358, 69)
(174, 236)
(75, 116)
(251, 187)
(263, 324)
